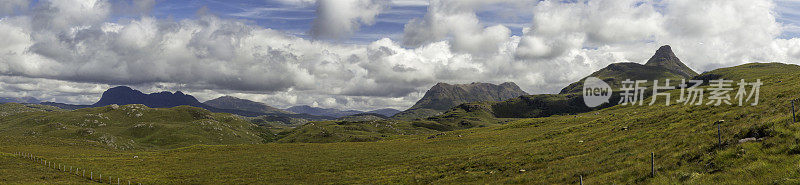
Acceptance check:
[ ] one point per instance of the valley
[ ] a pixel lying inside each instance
(611, 145)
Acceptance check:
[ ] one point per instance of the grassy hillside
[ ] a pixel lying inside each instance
(133, 126)
(609, 146)
(17, 171)
(351, 131)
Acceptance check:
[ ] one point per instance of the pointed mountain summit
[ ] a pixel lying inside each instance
(663, 65)
(664, 57)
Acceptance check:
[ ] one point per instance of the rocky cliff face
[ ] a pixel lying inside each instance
(123, 95)
(442, 96)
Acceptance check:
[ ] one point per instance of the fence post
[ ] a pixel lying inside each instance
(794, 117)
(653, 164)
(581, 179)
(719, 135)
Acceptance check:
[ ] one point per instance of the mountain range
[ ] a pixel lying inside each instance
(230, 102)
(505, 100)
(663, 65)
(123, 95)
(18, 100)
(305, 109)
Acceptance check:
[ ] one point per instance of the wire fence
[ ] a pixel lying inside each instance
(84, 173)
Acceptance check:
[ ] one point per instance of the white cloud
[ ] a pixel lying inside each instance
(74, 46)
(62, 14)
(410, 2)
(338, 19)
(456, 19)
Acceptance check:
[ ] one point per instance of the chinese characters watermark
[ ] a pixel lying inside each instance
(597, 92)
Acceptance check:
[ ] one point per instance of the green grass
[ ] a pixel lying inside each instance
(351, 131)
(609, 146)
(15, 170)
(134, 126)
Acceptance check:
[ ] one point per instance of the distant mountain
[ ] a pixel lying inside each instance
(123, 95)
(386, 112)
(18, 100)
(363, 117)
(65, 106)
(442, 96)
(230, 102)
(305, 109)
(332, 112)
(663, 65)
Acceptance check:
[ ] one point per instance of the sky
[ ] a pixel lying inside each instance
(365, 54)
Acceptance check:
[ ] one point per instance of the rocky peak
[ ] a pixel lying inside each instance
(443, 96)
(664, 57)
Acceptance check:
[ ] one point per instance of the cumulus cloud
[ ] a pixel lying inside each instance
(341, 18)
(64, 14)
(458, 19)
(75, 46)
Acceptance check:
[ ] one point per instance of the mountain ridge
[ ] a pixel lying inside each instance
(333, 112)
(230, 102)
(26, 99)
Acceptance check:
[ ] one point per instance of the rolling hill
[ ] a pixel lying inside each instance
(133, 126)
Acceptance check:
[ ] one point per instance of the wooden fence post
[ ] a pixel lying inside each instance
(653, 164)
(719, 136)
(794, 117)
